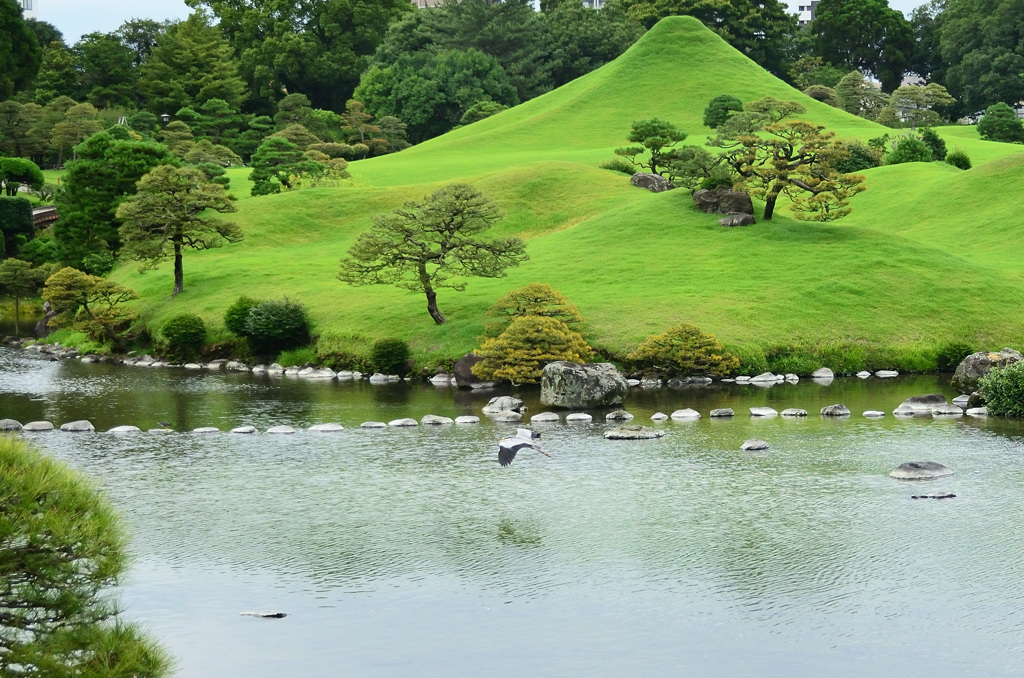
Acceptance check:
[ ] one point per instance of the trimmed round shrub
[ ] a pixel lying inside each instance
(238, 314)
(859, 157)
(684, 349)
(959, 158)
(276, 325)
(520, 353)
(934, 143)
(908, 149)
(720, 108)
(1001, 124)
(185, 335)
(1003, 390)
(390, 356)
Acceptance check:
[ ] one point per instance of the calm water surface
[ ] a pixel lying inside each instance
(412, 553)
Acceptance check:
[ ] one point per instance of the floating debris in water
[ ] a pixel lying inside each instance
(933, 496)
(265, 615)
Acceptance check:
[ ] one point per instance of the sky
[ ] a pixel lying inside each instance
(75, 18)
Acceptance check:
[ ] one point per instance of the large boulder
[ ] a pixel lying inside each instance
(977, 365)
(464, 377)
(570, 385)
(633, 432)
(923, 403)
(654, 183)
(500, 404)
(734, 220)
(723, 200)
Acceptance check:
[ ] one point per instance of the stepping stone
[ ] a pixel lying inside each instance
(192, 366)
(618, 415)
(373, 424)
(874, 414)
(206, 429)
(886, 374)
(434, 420)
(507, 417)
(280, 430)
(923, 403)
(545, 416)
(37, 427)
(161, 430)
(864, 375)
(835, 411)
(326, 428)
(578, 417)
(904, 412)
(972, 412)
(81, 426)
(947, 411)
(314, 373)
(632, 432)
(763, 412)
(125, 429)
(467, 419)
(920, 470)
(441, 379)
(500, 404)
(403, 422)
(962, 400)
(259, 369)
(743, 380)
(792, 378)
(659, 416)
(687, 414)
(378, 378)
(244, 430)
(793, 412)
(633, 382)
(754, 445)
(722, 412)
(766, 377)
(10, 425)
(345, 375)
(823, 373)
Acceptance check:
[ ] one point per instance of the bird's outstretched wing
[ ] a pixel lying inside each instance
(506, 452)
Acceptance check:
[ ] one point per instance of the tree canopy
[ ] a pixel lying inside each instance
(428, 243)
(20, 54)
(867, 35)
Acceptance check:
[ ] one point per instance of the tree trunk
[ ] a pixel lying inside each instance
(428, 289)
(769, 207)
(179, 274)
(17, 315)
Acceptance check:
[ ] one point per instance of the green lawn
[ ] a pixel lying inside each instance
(929, 255)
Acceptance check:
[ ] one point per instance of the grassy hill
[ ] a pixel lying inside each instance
(927, 257)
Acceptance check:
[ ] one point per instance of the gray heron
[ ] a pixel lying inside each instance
(508, 447)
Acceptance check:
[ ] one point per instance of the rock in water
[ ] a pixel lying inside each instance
(962, 400)
(326, 428)
(791, 412)
(923, 403)
(464, 377)
(37, 427)
(435, 420)
(507, 417)
(467, 419)
(569, 385)
(754, 445)
(920, 470)
(618, 415)
(206, 429)
(652, 182)
(659, 416)
(863, 375)
(734, 220)
(722, 412)
(971, 412)
(685, 415)
(10, 426)
(544, 416)
(977, 365)
(886, 374)
(81, 426)
(874, 414)
(633, 432)
(280, 430)
(578, 417)
(265, 615)
(244, 429)
(503, 404)
(403, 422)
(125, 429)
(822, 373)
(946, 411)
(373, 424)
(835, 411)
(762, 412)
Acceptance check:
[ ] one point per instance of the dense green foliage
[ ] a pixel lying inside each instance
(18, 172)
(720, 108)
(276, 325)
(276, 164)
(530, 342)
(908, 149)
(1003, 389)
(655, 137)
(934, 143)
(18, 279)
(104, 174)
(534, 299)
(390, 356)
(238, 314)
(1001, 124)
(864, 34)
(425, 244)
(184, 335)
(950, 355)
(62, 547)
(958, 158)
(16, 225)
(90, 304)
(20, 55)
(685, 350)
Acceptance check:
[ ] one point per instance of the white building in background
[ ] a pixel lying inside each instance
(29, 8)
(805, 13)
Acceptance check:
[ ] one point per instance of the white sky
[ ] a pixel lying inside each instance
(77, 17)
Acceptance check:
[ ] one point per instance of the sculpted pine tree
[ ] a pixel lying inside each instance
(425, 244)
(166, 215)
(90, 304)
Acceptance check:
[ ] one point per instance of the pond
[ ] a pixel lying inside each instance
(410, 552)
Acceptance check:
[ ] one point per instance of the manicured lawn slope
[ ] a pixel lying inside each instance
(929, 255)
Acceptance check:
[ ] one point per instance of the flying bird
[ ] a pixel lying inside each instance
(508, 447)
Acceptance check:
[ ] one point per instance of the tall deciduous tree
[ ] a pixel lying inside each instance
(867, 35)
(141, 36)
(191, 64)
(166, 216)
(105, 173)
(20, 54)
(317, 48)
(982, 44)
(761, 29)
(422, 246)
